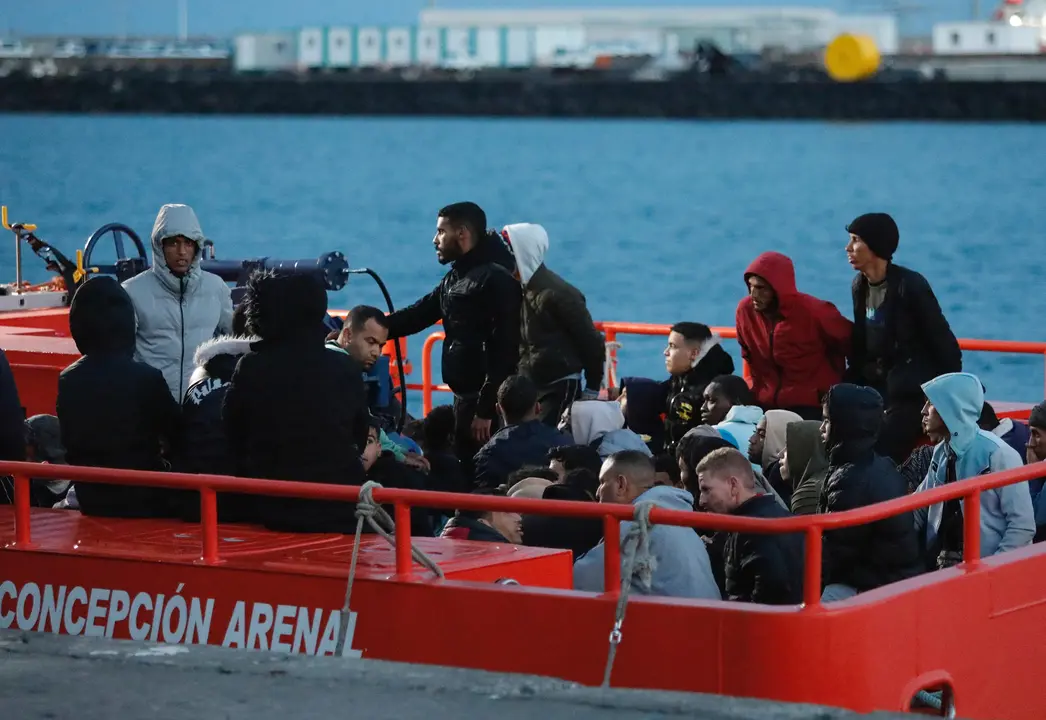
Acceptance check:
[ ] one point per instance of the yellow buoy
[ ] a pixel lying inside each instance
(851, 57)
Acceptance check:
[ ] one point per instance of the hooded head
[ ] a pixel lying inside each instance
(957, 398)
(771, 281)
(854, 418)
(776, 424)
(281, 307)
(642, 401)
(101, 318)
(177, 241)
(528, 243)
(592, 419)
(690, 451)
(878, 232)
(805, 450)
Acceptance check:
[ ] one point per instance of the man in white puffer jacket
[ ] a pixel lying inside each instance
(178, 306)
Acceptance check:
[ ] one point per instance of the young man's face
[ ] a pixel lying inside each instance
(932, 423)
(858, 253)
(1037, 443)
(717, 492)
(178, 253)
(764, 299)
(372, 450)
(826, 423)
(715, 405)
(365, 344)
(679, 354)
(756, 442)
(448, 240)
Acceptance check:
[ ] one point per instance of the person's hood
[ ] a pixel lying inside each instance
(645, 406)
(856, 416)
(777, 269)
(218, 356)
(806, 454)
(171, 221)
(528, 243)
(706, 347)
(531, 487)
(591, 419)
(491, 248)
(777, 422)
(668, 497)
(958, 398)
(744, 414)
(101, 318)
(619, 440)
(44, 433)
(286, 308)
(696, 447)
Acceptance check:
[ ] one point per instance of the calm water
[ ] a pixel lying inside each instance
(654, 221)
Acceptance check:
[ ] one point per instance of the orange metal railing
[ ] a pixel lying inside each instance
(613, 329)
(402, 500)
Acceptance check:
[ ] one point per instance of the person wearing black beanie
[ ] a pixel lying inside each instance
(901, 338)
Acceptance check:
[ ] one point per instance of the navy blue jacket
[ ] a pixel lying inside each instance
(513, 447)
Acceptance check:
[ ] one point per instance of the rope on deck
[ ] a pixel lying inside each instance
(636, 561)
(383, 524)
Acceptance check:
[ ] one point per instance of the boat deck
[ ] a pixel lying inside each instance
(249, 547)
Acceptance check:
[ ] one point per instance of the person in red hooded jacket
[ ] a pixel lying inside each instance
(795, 344)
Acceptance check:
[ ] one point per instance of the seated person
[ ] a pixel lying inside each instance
(523, 440)
(579, 535)
(804, 465)
(795, 344)
(683, 568)
(43, 444)
(485, 526)
(1036, 453)
(730, 408)
(953, 406)
(601, 425)
(565, 458)
(766, 445)
(295, 410)
(437, 443)
(1012, 432)
(643, 405)
(758, 567)
(382, 467)
(868, 556)
(114, 411)
(666, 468)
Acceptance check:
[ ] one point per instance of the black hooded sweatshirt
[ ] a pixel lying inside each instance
(479, 304)
(295, 410)
(865, 556)
(113, 410)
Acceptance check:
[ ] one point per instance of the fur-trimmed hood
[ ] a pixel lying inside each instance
(218, 356)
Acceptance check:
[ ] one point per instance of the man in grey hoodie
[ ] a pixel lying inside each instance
(682, 565)
(178, 306)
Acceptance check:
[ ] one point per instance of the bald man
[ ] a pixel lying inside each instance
(759, 568)
(683, 569)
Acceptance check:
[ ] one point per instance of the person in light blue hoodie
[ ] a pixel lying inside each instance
(682, 568)
(952, 409)
(730, 408)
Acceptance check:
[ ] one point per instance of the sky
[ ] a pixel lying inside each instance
(227, 17)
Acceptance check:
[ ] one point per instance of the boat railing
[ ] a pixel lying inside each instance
(812, 526)
(613, 330)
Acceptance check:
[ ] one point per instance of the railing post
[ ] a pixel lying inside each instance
(611, 554)
(209, 525)
(426, 373)
(611, 378)
(971, 529)
(23, 533)
(404, 561)
(812, 568)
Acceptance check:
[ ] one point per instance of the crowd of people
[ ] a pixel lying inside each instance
(833, 415)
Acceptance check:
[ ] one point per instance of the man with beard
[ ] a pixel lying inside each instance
(479, 304)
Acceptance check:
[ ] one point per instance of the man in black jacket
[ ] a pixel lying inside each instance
(558, 338)
(478, 302)
(758, 567)
(901, 338)
(114, 412)
(295, 410)
(865, 556)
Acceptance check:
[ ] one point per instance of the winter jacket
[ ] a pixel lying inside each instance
(1013, 433)
(683, 569)
(557, 336)
(807, 465)
(795, 360)
(1007, 518)
(114, 411)
(176, 315)
(391, 473)
(684, 394)
(513, 447)
(763, 568)
(295, 410)
(875, 554)
(600, 424)
(205, 447)
(578, 535)
(739, 425)
(12, 415)
(479, 304)
(920, 342)
(645, 409)
(461, 527)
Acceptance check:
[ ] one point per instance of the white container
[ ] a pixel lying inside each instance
(427, 47)
(268, 52)
(519, 47)
(339, 47)
(310, 48)
(398, 47)
(368, 47)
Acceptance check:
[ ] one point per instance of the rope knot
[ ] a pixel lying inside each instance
(366, 508)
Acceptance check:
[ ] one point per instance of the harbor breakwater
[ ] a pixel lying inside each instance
(684, 96)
